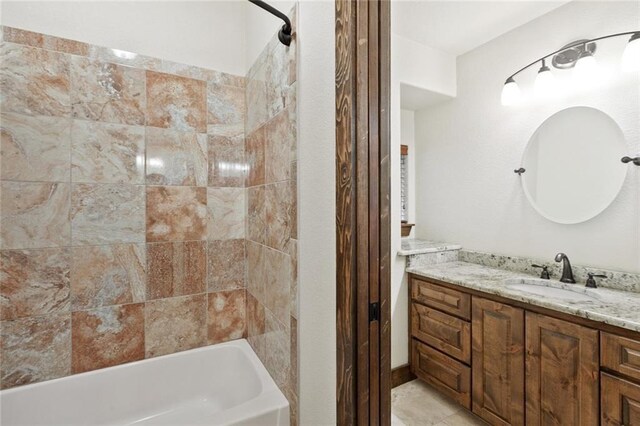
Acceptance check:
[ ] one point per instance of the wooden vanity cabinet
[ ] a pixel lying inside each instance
(562, 372)
(498, 362)
(527, 365)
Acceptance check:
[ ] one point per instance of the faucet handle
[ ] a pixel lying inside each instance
(591, 282)
(545, 271)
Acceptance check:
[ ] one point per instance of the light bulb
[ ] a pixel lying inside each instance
(545, 85)
(631, 55)
(586, 70)
(510, 92)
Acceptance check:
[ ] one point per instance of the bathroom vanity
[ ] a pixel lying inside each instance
(568, 355)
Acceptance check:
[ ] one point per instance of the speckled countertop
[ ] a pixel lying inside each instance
(614, 307)
(410, 246)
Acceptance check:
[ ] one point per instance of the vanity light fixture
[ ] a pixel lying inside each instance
(579, 54)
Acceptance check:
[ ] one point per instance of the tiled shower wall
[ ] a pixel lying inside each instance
(122, 208)
(271, 234)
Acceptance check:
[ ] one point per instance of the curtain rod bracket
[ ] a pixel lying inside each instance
(284, 35)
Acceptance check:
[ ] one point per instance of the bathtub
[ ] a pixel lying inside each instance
(224, 384)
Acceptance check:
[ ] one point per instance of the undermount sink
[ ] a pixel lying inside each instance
(548, 289)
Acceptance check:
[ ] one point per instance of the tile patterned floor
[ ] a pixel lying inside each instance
(417, 404)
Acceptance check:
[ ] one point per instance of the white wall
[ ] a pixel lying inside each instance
(316, 212)
(208, 34)
(429, 69)
(468, 148)
(261, 26)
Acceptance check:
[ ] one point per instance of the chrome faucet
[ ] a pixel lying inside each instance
(567, 273)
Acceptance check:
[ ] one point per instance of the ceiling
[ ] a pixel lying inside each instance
(457, 27)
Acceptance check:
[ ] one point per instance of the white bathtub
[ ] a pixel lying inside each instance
(223, 384)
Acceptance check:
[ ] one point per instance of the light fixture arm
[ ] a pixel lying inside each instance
(636, 34)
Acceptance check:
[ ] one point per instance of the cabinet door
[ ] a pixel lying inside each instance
(562, 377)
(498, 362)
(620, 402)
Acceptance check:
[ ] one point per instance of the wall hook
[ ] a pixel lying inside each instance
(519, 171)
(635, 160)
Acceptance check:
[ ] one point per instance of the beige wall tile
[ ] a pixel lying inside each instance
(279, 138)
(277, 285)
(107, 92)
(35, 349)
(256, 98)
(255, 157)
(176, 158)
(107, 275)
(107, 214)
(107, 153)
(176, 213)
(107, 336)
(176, 269)
(226, 265)
(34, 282)
(34, 81)
(34, 148)
(278, 215)
(176, 102)
(226, 213)
(256, 326)
(227, 167)
(226, 109)
(256, 271)
(34, 215)
(256, 215)
(226, 316)
(278, 345)
(175, 324)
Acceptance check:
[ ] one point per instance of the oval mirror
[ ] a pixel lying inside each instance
(573, 168)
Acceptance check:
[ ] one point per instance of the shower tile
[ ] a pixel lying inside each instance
(277, 78)
(256, 98)
(176, 269)
(65, 45)
(226, 316)
(176, 158)
(34, 81)
(107, 336)
(255, 146)
(226, 109)
(34, 282)
(107, 214)
(218, 77)
(185, 70)
(279, 135)
(278, 214)
(107, 153)
(107, 275)
(278, 344)
(176, 102)
(107, 92)
(256, 326)
(18, 36)
(34, 148)
(176, 213)
(292, 250)
(175, 324)
(294, 199)
(256, 270)
(226, 262)
(122, 57)
(256, 214)
(226, 161)
(226, 213)
(35, 349)
(34, 215)
(277, 286)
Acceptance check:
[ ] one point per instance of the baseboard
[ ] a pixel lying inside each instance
(401, 375)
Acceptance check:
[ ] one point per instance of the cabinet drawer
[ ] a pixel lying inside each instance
(442, 372)
(442, 298)
(620, 402)
(448, 334)
(620, 354)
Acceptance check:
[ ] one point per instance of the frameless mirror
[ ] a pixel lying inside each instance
(572, 165)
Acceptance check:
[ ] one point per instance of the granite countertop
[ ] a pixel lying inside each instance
(614, 307)
(412, 246)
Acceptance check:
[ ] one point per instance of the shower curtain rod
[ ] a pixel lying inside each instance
(284, 35)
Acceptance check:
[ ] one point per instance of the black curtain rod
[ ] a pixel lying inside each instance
(284, 35)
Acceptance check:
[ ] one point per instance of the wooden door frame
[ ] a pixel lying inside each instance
(363, 183)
